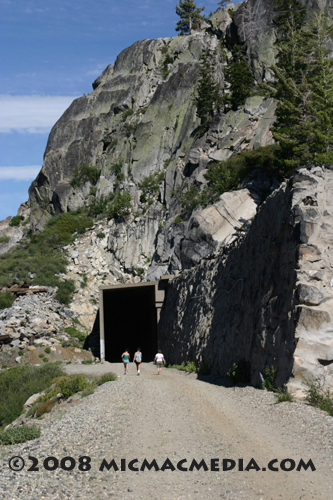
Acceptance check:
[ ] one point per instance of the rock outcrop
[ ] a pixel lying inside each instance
(267, 297)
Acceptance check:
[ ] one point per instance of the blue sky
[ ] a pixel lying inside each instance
(52, 51)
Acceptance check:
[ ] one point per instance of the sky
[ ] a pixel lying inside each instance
(51, 53)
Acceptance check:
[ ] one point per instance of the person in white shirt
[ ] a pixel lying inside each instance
(159, 360)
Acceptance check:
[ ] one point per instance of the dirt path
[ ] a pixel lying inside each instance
(177, 417)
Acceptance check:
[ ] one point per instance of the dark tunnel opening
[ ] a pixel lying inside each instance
(130, 321)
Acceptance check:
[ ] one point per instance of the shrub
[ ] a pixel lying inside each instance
(19, 434)
(93, 191)
(65, 291)
(45, 360)
(21, 353)
(41, 355)
(73, 384)
(87, 391)
(126, 114)
(240, 372)
(318, 396)
(16, 221)
(188, 366)
(97, 207)
(150, 186)
(269, 379)
(74, 332)
(120, 206)
(283, 395)
(167, 60)
(179, 219)
(4, 239)
(6, 300)
(83, 174)
(107, 377)
(19, 383)
(87, 361)
(139, 271)
(100, 235)
(45, 407)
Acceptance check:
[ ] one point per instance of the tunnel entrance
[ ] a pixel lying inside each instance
(129, 316)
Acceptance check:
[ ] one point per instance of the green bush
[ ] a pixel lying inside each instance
(227, 175)
(100, 235)
(283, 395)
(83, 174)
(179, 219)
(19, 383)
(74, 332)
(126, 114)
(46, 407)
(150, 186)
(269, 379)
(318, 396)
(240, 372)
(120, 206)
(45, 360)
(21, 353)
(41, 355)
(42, 256)
(87, 391)
(87, 361)
(20, 434)
(6, 300)
(4, 239)
(188, 366)
(65, 291)
(16, 221)
(107, 377)
(72, 384)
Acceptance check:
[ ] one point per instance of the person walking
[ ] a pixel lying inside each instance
(125, 358)
(137, 359)
(159, 360)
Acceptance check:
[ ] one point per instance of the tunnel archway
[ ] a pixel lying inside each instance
(129, 319)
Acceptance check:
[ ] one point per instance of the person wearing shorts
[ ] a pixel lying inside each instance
(125, 358)
(159, 360)
(138, 359)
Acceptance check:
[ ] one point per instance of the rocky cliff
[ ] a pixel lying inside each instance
(268, 296)
(247, 273)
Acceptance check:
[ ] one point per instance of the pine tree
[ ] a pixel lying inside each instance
(189, 15)
(240, 77)
(209, 99)
(304, 90)
(319, 35)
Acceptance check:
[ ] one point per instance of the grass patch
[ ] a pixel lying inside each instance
(74, 332)
(41, 255)
(6, 300)
(283, 395)
(19, 383)
(19, 434)
(87, 361)
(107, 377)
(4, 239)
(190, 367)
(318, 396)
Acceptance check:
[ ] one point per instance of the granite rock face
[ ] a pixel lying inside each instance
(267, 297)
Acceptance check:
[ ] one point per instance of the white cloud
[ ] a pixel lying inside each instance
(32, 114)
(20, 173)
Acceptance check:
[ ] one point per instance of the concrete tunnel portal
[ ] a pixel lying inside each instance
(129, 316)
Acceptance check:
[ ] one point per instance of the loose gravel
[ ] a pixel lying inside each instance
(174, 416)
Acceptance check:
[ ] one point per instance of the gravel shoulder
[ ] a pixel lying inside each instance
(174, 416)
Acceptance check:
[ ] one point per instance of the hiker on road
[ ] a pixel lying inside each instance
(125, 358)
(137, 359)
(159, 360)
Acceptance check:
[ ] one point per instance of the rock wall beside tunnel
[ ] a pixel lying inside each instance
(268, 296)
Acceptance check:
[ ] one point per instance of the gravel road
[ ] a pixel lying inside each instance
(171, 418)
